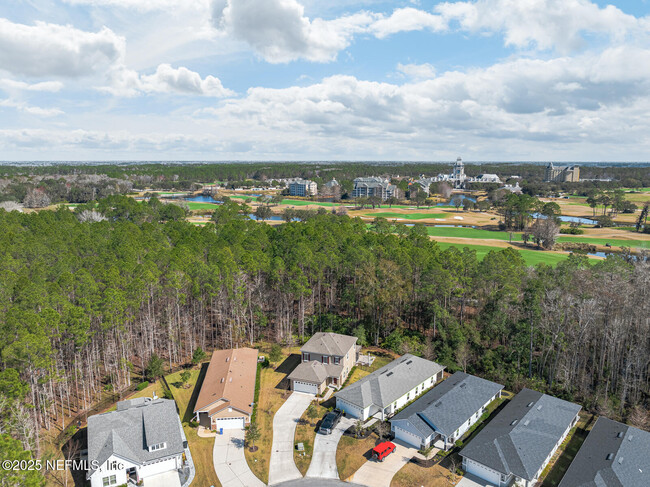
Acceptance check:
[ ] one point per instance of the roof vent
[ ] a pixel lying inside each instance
(514, 422)
(629, 438)
(610, 456)
(620, 460)
(227, 359)
(222, 379)
(389, 374)
(463, 385)
(619, 435)
(230, 380)
(527, 422)
(530, 404)
(438, 404)
(539, 408)
(409, 362)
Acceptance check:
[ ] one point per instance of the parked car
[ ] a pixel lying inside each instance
(330, 421)
(382, 450)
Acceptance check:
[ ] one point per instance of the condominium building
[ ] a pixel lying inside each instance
(374, 186)
(562, 174)
(302, 187)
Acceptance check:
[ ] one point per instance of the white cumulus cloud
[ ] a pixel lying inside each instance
(45, 49)
(407, 19)
(166, 79)
(544, 24)
(280, 32)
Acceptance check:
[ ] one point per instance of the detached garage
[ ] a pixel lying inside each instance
(228, 390)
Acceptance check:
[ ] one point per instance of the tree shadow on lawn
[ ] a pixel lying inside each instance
(189, 412)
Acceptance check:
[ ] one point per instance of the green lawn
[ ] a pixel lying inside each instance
(408, 216)
(464, 232)
(193, 205)
(531, 257)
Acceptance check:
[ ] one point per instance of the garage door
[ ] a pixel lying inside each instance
(350, 410)
(407, 437)
(305, 387)
(483, 472)
(230, 423)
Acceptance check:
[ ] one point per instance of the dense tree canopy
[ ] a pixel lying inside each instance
(86, 305)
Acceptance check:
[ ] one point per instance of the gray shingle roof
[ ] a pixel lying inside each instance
(329, 344)
(390, 382)
(628, 466)
(449, 405)
(312, 371)
(129, 431)
(520, 438)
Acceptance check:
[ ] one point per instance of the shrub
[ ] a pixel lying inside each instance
(142, 385)
(167, 394)
(572, 231)
(276, 353)
(193, 424)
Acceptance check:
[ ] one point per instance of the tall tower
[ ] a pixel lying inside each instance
(459, 172)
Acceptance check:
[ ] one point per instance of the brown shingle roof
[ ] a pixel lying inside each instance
(231, 377)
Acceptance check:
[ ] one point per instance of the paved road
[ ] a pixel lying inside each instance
(282, 467)
(379, 474)
(230, 462)
(323, 459)
(317, 483)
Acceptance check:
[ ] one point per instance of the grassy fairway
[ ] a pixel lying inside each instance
(531, 257)
(408, 216)
(193, 205)
(461, 232)
(464, 232)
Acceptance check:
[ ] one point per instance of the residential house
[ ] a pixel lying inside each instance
(389, 388)
(142, 440)
(446, 412)
(520, 441)
(374, 186)
(302, 187)
(614, 454)
(228, 390)
(326, 358)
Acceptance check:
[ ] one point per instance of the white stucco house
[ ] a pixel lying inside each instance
(445, 413)
(142, 440)
(389, 388)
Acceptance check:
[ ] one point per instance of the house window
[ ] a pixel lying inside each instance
(325, 359)
(110, 480)
(408, 396)
(337, 360)
(305, 357)
(158, 446)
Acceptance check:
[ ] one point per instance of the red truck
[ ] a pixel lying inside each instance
(382, 450)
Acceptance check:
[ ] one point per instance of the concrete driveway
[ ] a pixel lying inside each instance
(380, 474)
(281, 466)
(323, 459)
(470, 480)
(230, 462)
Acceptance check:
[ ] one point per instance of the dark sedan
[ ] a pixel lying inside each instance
(330, 421)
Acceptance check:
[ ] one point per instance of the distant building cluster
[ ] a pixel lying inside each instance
(562, 174)
(457, 178)
(374, 186)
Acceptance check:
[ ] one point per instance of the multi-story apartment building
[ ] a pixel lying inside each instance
(562, 174)
(374, 186)
(302, 187)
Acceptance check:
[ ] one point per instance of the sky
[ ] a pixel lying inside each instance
(316, 80)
